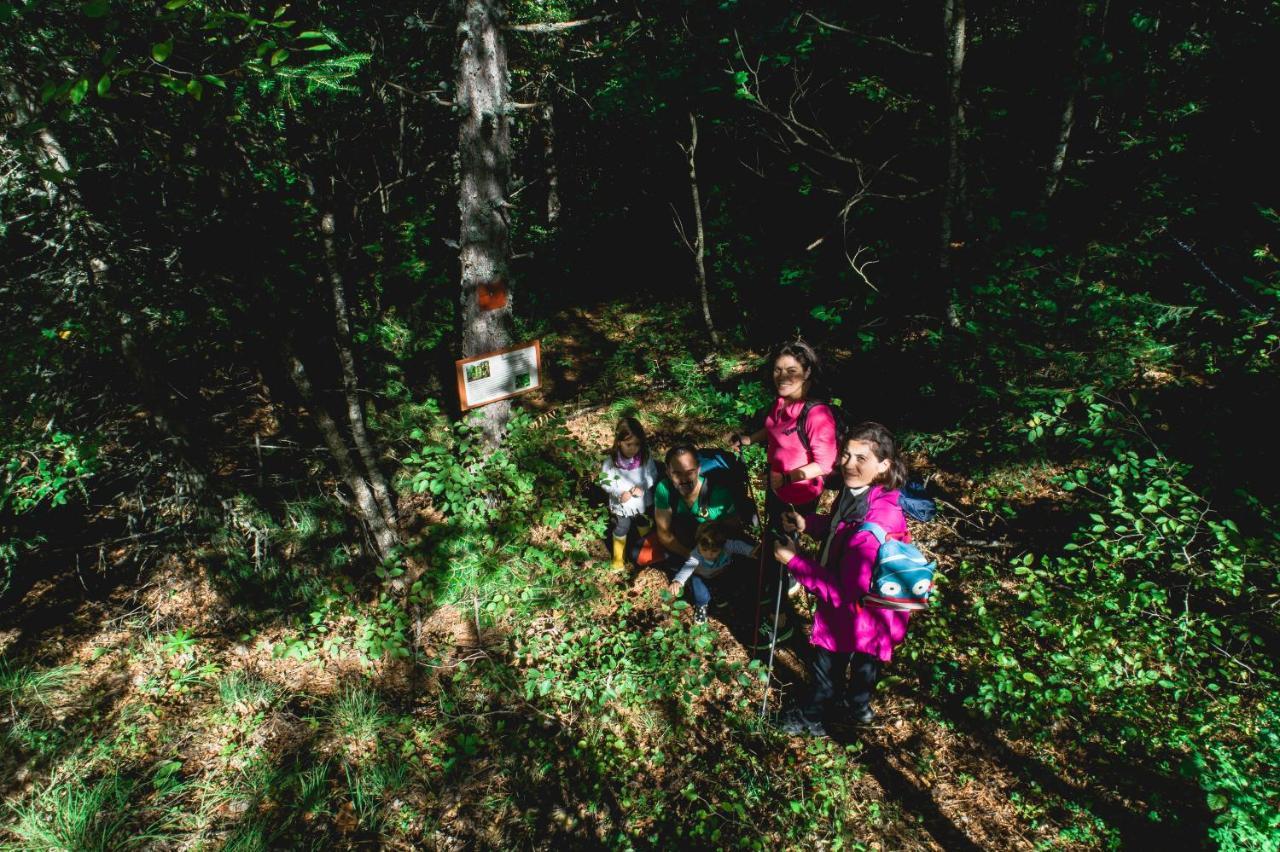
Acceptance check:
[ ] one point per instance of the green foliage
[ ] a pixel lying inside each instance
(93, 817)
(44, 473)
(466, 479)
(1241, 780)
(609, 665)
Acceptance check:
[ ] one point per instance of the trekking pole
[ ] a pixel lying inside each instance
(764, 543)
(773, 644)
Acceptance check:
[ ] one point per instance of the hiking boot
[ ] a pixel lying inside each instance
(859, 714)
(699, 615)
(619, 550)
(797, 725)
(863, 715)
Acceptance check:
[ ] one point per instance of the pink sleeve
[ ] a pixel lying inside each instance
(822, 437)
(835, 588)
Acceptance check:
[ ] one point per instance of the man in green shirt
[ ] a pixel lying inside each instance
(684, 499)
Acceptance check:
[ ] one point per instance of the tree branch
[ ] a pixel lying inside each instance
(926, 54)
(555, 27)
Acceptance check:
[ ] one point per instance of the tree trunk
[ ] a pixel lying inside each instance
(699, 241)
(1076, 88)
(1065, 126)
(553, 172)
(484, 147)
(350, 381)
(385, 538)
(953, 197)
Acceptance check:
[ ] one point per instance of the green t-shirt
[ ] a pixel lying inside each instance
(714, 503)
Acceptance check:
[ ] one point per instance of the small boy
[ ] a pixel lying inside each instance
(712, 552)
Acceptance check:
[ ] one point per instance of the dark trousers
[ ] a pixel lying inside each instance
(828, 673)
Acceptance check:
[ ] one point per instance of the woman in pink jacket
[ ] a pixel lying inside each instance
(847, 633)
(800, 454)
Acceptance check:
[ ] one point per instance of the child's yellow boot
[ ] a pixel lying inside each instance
(619, 548)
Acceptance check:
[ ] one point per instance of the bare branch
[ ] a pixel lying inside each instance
(433, 95)
(555, 27)
(914, 52)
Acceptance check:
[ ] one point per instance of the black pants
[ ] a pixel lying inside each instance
(828, 673)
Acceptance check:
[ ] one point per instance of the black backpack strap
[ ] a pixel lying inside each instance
(802, 423)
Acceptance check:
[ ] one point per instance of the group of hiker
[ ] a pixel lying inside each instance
(694, 523)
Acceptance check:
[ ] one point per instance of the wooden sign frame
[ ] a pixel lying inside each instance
(462, 365)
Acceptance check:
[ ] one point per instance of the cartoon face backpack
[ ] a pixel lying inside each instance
(902, 577)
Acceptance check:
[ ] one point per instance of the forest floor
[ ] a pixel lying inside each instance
(150, 707)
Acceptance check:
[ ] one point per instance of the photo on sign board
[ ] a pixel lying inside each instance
(476, 372)
(522, 380)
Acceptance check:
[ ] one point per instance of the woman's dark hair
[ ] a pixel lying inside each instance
(882, 444)
(804, 355)
(626, 428)
(679, 450)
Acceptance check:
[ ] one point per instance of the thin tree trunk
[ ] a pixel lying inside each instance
(552, 171)
(484, 147)
(1078, 86)
(1065, 126)
(953, 198)
(385, 538)
(350, 377)
(699, 242)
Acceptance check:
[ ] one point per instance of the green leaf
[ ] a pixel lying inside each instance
(161, 50)
(319, 47)
(104, 85)
(176, 4)
(79, 90)
(195, 89)
(315, 34)
(278, 57)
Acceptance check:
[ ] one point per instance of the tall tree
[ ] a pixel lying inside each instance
(953, 24)
(698, 247)
(484, 148)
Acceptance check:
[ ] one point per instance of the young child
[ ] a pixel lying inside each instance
(712, 552)
(846, 632)
(628, 476)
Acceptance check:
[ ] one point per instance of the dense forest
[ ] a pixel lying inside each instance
(268, 581)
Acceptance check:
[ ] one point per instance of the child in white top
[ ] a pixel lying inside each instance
(628, 475)
(712, 552)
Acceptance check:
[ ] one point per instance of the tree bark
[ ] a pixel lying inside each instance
(953, 198)
(350, 377)
(553, 172)
(484, 147)
(1076, 88)
(385, 538)
(699, 242)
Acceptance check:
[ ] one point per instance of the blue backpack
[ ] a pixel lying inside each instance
(902, 578)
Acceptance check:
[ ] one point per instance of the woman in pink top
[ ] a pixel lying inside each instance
(797, 464)
(847, 633)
